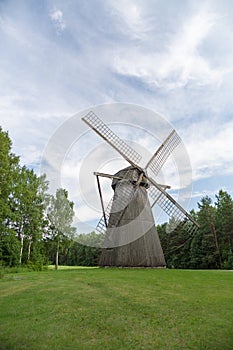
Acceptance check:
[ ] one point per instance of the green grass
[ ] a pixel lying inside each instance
(117, 309)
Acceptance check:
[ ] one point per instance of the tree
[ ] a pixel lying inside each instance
(175, 241)
(60, 215)
(209, 240)
(27, 209)
(9, 249)
(224, 220)
(8, 165)
(86, 249)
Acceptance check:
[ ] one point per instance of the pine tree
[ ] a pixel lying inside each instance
(224, 218)
(211, 257)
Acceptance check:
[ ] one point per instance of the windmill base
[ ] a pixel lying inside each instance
(144, 252)
(135, 267)
(131, 237)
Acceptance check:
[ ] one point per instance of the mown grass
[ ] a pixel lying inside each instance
(117, 309)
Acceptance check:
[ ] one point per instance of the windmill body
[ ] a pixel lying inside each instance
(131, 237)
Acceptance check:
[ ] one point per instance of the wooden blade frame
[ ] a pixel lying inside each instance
(110, 137)
(163, 152)
(168, 204)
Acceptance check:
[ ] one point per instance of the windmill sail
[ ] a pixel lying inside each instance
(101, 226)
(163, 152)
(171, 207)
(109, 136)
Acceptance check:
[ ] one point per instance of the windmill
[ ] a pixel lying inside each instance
(131, 236)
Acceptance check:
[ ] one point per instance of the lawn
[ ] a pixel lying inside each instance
(157, 309)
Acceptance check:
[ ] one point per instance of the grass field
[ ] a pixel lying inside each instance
(117, 309)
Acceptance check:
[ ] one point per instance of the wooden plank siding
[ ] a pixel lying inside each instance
(131, 237)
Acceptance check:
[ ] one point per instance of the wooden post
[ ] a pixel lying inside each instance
(101, 200)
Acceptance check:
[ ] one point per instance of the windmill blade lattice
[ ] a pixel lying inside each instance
(101, 226)
(172, 208)
(163, 152)
(92, 120)
(190, 227)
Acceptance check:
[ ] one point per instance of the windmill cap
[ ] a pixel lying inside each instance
(131, 174)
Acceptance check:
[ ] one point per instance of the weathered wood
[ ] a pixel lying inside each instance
(101, 200)
(131, 238)
(107, 175)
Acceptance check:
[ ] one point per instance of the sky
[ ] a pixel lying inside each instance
(61, 59)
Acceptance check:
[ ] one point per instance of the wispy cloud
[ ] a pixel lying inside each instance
(58, 20)
(131, 18)
(181, 62)
(210, 149)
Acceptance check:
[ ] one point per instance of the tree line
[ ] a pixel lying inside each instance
(211, 247)
(36, 227)
(29, 216)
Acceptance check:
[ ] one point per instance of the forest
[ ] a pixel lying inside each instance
(36, 227)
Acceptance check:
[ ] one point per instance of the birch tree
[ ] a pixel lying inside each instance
(27, 206)
(60, 215)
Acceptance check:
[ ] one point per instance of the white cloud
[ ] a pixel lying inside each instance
(132, 21)
(58, 20)
(10, 28)
(180, 63)
(210, 149)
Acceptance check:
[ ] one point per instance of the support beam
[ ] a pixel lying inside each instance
(101, 200)
(121, 178)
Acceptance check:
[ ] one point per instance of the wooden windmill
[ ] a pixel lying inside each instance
(131, 236)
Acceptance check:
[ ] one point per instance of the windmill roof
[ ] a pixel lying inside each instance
(129, 173)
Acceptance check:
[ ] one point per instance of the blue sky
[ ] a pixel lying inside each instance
(172, 57)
